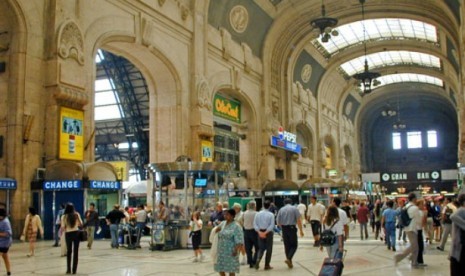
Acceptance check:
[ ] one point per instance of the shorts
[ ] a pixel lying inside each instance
(4, 249)
(196, 239)
(316, 227)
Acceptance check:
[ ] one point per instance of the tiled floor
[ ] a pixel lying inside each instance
(363, 258)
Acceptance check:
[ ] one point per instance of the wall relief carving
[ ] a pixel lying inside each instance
(239, 18)
(70, 42)
(203, 94)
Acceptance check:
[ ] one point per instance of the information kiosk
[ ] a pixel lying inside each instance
(185, 187)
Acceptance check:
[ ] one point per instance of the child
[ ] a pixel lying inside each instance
(196, 233)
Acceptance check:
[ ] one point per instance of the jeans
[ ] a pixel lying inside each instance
(140, 226)
(412, 249)
(333, 249)
(251, 242)
(290, 240)
(363, 226)
(447, 227)
(72, 248)
(114, 235)
(391, 234)
(265, 245)
(90, 235)
(57, 237)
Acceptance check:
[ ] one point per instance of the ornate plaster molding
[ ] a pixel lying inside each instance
(71, 42)
(71, 96)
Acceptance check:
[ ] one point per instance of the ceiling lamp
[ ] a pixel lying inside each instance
(325, 24)
(399, 124)
(388, 111)
(366, 79)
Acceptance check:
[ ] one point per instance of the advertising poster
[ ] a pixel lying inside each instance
(207, 151)
(122, 169)
(71, 137)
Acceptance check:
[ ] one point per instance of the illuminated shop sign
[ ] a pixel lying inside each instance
(286, 140)
(8, 184)
(105, 185)
(62, 185)
(411, 176)
(227, 109)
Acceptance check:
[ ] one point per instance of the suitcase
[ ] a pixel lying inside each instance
(332, 266)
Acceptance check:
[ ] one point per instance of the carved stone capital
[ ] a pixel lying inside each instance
(203, 94)
(69, 96)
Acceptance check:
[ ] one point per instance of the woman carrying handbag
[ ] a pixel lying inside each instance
(70, 223)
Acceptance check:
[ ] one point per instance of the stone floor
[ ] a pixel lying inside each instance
(368, 257)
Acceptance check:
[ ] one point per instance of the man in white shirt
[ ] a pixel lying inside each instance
(343, 217)
(302, 208)
(411, 231)
(315, 213)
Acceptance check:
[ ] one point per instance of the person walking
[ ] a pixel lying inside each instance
(363, 215)
(421, 223)
(457, 250)
(342, 216)
(389, 221)
(32, 225)
(113, 219)
(195, 226)
(448, 210)
(288, 218)
(402, 234)
(70, 223)
(58, 225)
(411, 231)
(92, 223)
(333, 222)
(315, 213)
(250, 235)
(264, 224)
(5, 239)
(230, 241)
(302, 210)
(141, 218)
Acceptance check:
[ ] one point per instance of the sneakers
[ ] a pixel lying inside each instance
(196, 260)
(202, 257)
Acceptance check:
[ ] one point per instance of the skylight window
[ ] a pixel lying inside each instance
(106, 103)
(408, 77)
(391, 58)
(378, 29)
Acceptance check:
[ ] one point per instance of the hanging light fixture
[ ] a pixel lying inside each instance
(388, 111)
(366, 79)
(398, 124)
(325, 25)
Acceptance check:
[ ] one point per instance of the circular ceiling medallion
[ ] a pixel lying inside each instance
(306, 73)
(239, 18)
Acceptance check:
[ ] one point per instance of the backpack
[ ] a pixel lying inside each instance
(404, 218)
(447, 214)
(328, 237)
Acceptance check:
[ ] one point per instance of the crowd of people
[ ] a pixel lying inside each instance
(246, 237)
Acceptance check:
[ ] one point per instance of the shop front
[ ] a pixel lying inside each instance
(6, 186)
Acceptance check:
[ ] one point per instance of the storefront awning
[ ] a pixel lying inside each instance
(280, 185)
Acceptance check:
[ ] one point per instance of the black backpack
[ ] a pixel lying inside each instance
(328, 237)
(404, 218)
(447, 214)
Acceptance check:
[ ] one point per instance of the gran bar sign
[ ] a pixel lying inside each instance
(411, 176)
(227, 109)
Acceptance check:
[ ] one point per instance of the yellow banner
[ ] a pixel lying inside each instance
(206, 150)
(122, 169)
(71, 134)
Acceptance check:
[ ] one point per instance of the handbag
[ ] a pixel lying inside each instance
(82, 234)
(22, 238)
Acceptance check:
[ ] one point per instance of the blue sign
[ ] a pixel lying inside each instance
(62, 185)
(284, 144)
(105, 185)
(7, 184)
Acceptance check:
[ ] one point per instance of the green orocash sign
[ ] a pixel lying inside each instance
(227, 108)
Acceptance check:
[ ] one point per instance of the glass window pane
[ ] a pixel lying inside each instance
(414, 140)
(396, 141)
(432, 139)
(108, 112)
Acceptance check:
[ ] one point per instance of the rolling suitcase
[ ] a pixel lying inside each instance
(332, 266)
